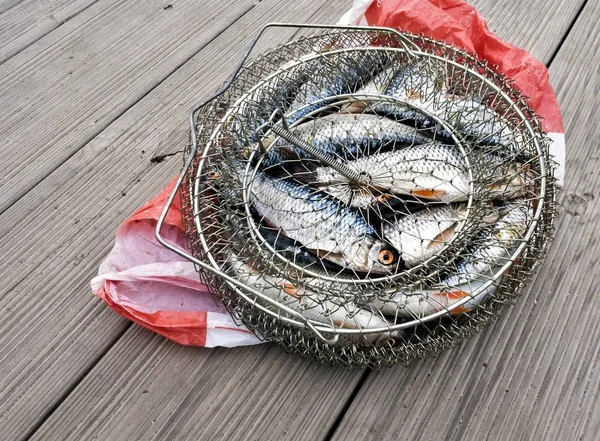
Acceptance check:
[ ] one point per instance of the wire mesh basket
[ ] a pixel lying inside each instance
(365, 197)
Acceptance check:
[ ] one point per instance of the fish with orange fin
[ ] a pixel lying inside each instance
(316, 307)
(432, 171)
(421, 235)
(473, 274)
(322, 224)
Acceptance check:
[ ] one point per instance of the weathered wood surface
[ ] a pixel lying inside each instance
(535, 375)
(148, 388)
(61, 91)
(74, 214)
(29, 20)
(135, 45)
(56, 234)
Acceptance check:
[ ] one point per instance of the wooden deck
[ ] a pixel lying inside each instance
(91, 90)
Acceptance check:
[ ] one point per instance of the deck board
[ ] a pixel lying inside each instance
(29, 20)
(140, 47)
(536, 373)
(93, 175)
(74, 214)
(63, 90)
(148, 388)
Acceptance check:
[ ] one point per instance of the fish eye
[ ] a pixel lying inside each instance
(384, 197)
(386, 257)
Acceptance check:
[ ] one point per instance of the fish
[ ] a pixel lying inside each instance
(337, 74)
(322, 224)
(343, 136)
(311, 305)
(421, 235)
(278, 92)
(295, 252)
(423, 93)
(431, 171)
(505, 181)
(477, 267)
(408, 85)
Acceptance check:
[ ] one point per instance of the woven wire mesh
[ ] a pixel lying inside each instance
(464, 231)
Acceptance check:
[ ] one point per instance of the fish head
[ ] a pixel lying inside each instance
(383, 258)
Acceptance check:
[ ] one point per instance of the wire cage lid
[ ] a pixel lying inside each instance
(364, 196)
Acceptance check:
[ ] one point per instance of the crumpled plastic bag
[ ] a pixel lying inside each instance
(152, 286)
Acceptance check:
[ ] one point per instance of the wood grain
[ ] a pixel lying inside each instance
(148, 388)
(29, 20)
(61, 91)
(537, 26)
(7, 4)
(534, 375)
(143, 44)
(56, 235)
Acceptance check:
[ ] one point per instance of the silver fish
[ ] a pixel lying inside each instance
(322, 224)
(476, 269)
(311, 305)
(430, 171)
(428, 91)
(421, 235)
(337, 74)
(345, 136)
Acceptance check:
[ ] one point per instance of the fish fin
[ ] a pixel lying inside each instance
(428, 193)
(348, 324)
(290, 289)
(443, 236)
(357, 106)
(455, 295)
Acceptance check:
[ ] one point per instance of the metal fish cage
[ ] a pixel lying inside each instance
(365, 197)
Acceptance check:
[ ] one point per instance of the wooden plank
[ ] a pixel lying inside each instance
(29, 20)
(120, 79)
(536, 373)
(7, 4)
(148, 388)
(512, 20)
(56, 235)
(65, 88)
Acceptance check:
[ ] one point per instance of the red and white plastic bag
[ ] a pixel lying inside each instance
(152, 286)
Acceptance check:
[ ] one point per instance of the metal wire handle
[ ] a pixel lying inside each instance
(406, 44)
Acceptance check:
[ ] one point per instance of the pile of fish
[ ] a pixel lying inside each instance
(398, 129)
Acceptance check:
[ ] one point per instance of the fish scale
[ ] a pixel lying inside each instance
(421, 235)
(346, 136)
(321, 223)
(431, 171)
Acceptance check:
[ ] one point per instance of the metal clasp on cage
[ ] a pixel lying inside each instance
(277, 123)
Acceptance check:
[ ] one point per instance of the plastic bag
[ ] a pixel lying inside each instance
(150, 285)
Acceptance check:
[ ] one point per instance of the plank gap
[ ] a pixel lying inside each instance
(101, 128)
(35, 427)
(11, 54)
(564, 38)
(342, 414)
